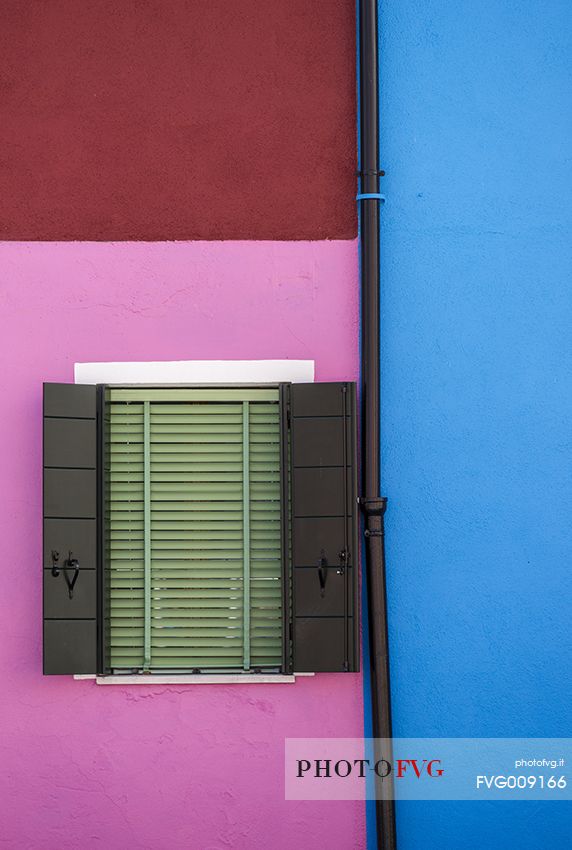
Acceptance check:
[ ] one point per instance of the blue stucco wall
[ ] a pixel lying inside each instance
(476, 307)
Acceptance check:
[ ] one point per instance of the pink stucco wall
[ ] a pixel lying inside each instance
(193, 767)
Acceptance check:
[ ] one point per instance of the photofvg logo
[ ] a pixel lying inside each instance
(354, 768)
(382, 768)
(427, 768)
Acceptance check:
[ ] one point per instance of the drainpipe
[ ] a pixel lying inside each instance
(372, 504)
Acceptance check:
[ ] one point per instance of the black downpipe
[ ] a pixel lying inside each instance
(373, 505)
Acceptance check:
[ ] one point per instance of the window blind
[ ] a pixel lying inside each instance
(194, 568)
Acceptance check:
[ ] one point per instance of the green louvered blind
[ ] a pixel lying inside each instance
(194, 567)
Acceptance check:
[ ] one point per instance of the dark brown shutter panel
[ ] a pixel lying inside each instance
(70, 528)
(325, 599)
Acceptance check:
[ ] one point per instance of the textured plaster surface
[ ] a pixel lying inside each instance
(477, 311)
(144, 767)
(186, 119)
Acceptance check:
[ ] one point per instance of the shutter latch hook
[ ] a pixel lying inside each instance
(71, 564)
(323, 573)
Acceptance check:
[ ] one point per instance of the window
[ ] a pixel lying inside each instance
(200, 529)
(194, 541)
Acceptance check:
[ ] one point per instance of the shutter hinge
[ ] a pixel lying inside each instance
(55, 559)
(343, 556)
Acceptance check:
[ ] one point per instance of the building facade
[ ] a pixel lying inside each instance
(178, 183)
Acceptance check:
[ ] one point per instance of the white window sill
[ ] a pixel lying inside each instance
(197, 679)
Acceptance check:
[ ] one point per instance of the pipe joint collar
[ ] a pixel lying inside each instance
(373, 505)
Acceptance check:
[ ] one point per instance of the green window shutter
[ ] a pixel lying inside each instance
(265, 536)
(125, 536)
(194, 549)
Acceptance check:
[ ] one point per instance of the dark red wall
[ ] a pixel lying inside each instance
(177, 119)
